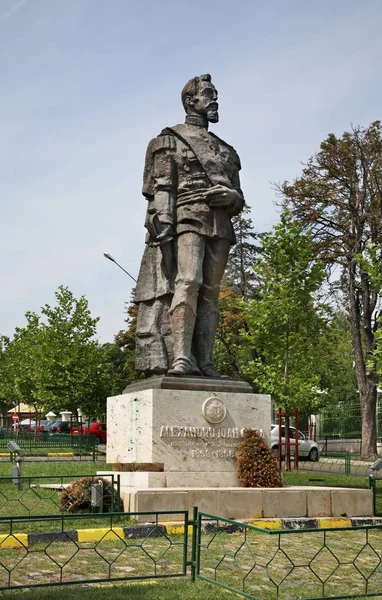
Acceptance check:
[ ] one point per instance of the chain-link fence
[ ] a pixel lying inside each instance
(26, 496)
(49, 445)
(302, 563)
(54, 550)
(343, 421)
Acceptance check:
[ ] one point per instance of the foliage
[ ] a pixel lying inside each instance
(114, 361)
(125, 340)
(370, 261)
(240, 276)
(18, 381)
(339, 198)
(230, 351)
(286, 319)
(54, 362)
(76, 497)
(336, 364)
(256, 464)
(240, 282)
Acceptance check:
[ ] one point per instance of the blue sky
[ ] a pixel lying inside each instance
(87, 83)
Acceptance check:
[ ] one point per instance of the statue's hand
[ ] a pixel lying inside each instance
(167, 233)
(160, 231)
(221, 196)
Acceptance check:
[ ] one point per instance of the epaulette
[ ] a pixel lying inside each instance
(163, 142)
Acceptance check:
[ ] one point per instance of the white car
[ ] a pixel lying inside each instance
(306, 448)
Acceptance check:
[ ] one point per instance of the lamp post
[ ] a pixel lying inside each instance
(108, 256)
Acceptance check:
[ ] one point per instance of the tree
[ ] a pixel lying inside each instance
(231, 351)
(240, 283)
(286, 319)
(18, 381)
(240, 275)
(67, 371)
(339, 198)
(371, 263)
(125, 340)
(336, 367)
(54, 362)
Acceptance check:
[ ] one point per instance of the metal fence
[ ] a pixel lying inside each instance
(305, 563)
(254, 563)
(57, 550)
(375, 484)
(337, 462)
(26, 496)
(45, 443)
(344, 421)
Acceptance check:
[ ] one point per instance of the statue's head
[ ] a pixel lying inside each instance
(199, 96)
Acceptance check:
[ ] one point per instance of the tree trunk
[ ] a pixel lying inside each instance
(369, 426)
(366, 380)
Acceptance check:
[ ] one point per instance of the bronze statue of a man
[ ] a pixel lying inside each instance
(191, 182)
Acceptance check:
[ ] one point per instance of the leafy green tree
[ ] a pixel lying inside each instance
(125, 340)
(336, 366)
(55, 362)
(240, 275)
(114, 357)
(67, 371)
(240, 283)
(231, 351)
(18, 381)
(370, 261)
(339, 198)
(4, 391)
(286, 319)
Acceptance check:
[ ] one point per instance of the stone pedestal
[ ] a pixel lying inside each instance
(173, 440)
(170, 432)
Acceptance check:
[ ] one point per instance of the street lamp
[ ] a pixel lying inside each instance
(109, 256)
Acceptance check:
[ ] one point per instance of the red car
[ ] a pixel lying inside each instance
(97, 429)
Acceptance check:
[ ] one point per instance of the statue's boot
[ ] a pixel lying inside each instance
(182, 319)
(204, 336)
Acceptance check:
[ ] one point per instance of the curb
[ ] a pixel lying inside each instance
(17, 540)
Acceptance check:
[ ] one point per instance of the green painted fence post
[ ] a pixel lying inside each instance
(347, 464)
(119, 494)
(194, 542)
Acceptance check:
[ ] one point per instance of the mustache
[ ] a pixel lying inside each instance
(213, 106)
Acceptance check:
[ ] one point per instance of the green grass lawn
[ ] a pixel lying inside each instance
(297, 563)
(151, 590)
(78, 468)
(181, 589)
(320, 478)
(40, 500)
(46, 467)
(224, 557)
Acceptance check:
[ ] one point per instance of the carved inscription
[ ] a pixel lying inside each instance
(203, 442)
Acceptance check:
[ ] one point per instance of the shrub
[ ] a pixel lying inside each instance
(76, 497)
(256, 464)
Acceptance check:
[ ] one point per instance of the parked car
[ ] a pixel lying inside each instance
(45, 425)
(97, 429)
(64, 427)
(78, 428)
(306, 448)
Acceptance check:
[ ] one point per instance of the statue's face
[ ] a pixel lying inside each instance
(205, 101)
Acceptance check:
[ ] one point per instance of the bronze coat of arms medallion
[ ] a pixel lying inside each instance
(214, 410)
